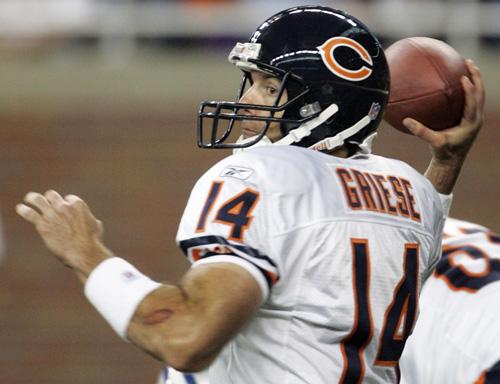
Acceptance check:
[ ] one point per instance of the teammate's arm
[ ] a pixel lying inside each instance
(185, 325)
(450, 146)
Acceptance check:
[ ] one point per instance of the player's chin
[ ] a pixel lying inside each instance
(251, 129)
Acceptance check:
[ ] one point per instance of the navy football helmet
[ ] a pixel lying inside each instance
(333, 69)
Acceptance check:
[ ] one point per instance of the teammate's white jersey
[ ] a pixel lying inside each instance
(457, 336)
(339, 248)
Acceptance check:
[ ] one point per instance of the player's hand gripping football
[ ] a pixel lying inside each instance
(450, 146)
(68, 228)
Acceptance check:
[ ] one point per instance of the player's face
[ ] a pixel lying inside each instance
(263, 90)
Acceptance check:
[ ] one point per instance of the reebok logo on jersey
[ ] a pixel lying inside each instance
(237, 172)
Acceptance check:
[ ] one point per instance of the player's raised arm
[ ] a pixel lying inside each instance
(184, 325)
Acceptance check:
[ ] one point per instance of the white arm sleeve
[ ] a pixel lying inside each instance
(446, 201)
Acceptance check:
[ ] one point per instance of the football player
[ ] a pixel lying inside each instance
(306, 266)
(456, 338)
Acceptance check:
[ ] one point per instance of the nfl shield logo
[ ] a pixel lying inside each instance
(374, 111)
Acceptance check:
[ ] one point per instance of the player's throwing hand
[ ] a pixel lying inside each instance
(452, 144)
(68, 228)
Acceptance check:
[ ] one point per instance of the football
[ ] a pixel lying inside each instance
(425, 83)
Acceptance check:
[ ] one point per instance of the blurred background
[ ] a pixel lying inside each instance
(99, 98)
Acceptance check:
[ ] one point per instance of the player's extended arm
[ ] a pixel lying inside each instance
(185, 325)
(450, 146)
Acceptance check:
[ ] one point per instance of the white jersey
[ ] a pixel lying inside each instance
(457, 336)
(168, 375)
(339, 248)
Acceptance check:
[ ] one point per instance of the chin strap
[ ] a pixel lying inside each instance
(305, 129)
(294, 135)
(241, 140)
(336, 141)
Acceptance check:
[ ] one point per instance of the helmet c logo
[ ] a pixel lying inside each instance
(327, 51)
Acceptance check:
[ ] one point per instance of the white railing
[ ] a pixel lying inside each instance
(460, 21)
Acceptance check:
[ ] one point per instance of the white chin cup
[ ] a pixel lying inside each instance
(241, 140)
(366, 146)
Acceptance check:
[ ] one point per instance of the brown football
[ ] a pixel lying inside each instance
(425, 83)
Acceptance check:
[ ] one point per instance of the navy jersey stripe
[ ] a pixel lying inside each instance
(165, 373)
(212, 240)
(189, 378)
(262, 270)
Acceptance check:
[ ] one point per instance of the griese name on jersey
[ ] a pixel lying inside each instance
(378, 193)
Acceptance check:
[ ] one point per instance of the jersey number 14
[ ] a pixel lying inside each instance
(398, 320)
(235, 212)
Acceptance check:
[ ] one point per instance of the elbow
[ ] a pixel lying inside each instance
(188, 356)
(188, 361)
(186, 349)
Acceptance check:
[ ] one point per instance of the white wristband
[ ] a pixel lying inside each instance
(116, 288)
(446, 203)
